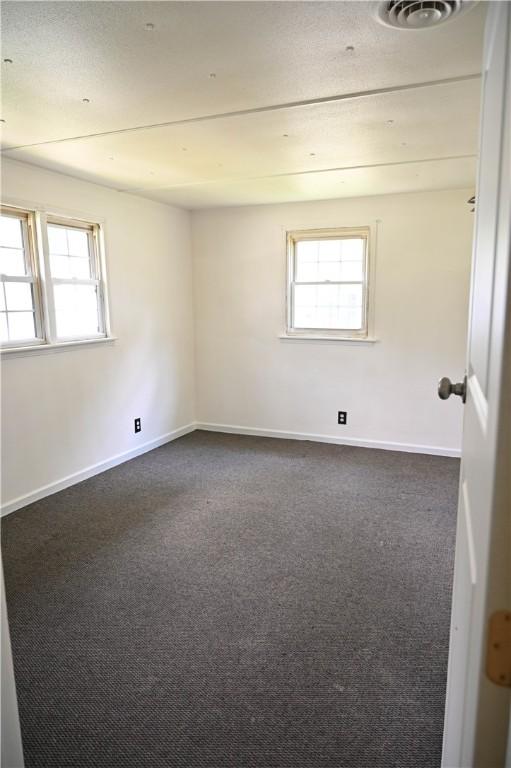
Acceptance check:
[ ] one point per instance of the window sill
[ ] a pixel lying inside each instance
(61, 346)
(337, 339)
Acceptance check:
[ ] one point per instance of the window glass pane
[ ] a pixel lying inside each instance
(76, 310)
(78, 242)
(328, 306)
(352, 249)
(329, 270)
(2, 298)
(21, 326)
(69, 267)
(80, 268)
(329, 260)
(12, 261)
(60, 266)
(307, 260)
(352, 270)
(19, 296)
(57, 240)
(69, 253)
(349, 319)
(10, 232)
(4, 335)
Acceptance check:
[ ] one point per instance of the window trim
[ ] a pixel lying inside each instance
(335, 334)
(94, 260)
(38, 218)
(30, 252)
(60, 346)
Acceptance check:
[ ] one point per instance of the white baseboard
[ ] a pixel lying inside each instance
(94, 469)
(433, 450)
(120, 458)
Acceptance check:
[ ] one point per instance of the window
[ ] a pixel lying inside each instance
(52, 283)
(328, 283)
(74, 270)
(20, 316)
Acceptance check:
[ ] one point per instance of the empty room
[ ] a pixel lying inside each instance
(256, 384)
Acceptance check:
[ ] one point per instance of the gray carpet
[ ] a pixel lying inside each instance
(236, 602)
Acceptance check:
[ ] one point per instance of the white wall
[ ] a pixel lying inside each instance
(65, 411)
(247, 376)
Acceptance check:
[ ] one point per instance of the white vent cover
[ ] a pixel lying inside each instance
(420, 14)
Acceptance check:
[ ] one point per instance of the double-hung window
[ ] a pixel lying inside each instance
(52, 280)
(75, 280)
(328, 283)
(20, 301)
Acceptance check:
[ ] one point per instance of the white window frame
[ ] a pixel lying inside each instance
(96, 279)
(295, 236)
(32, 277)
(38, 219)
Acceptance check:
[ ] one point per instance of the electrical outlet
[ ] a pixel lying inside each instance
(138, 425)
(342, 417)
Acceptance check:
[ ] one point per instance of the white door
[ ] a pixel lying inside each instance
(11, 746)
(477, 710)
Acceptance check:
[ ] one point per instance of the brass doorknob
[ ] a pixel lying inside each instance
(446, 388)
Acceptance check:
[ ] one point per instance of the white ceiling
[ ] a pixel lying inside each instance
(307, 121)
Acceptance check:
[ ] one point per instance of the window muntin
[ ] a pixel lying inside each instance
(328, 282)
(20, 309)
(75, 277)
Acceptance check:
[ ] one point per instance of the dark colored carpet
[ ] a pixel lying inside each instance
(228, 601)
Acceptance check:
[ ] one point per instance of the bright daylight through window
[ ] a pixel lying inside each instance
(328, 276)
(19, 316)
(69, 304)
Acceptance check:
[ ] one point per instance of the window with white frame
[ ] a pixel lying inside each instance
(20, 310)
(51, 278)
(328, 282)
(75, 279)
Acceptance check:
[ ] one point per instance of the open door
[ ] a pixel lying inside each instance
(11, 746)
(477, 717)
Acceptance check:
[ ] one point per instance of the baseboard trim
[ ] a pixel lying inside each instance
(94, 469)
(120, 458)
(432, 450)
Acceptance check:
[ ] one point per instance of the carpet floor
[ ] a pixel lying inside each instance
(236, 602)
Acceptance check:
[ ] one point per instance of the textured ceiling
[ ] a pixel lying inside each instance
(240, 102)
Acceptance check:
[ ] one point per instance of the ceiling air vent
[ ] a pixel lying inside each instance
(420, 14)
